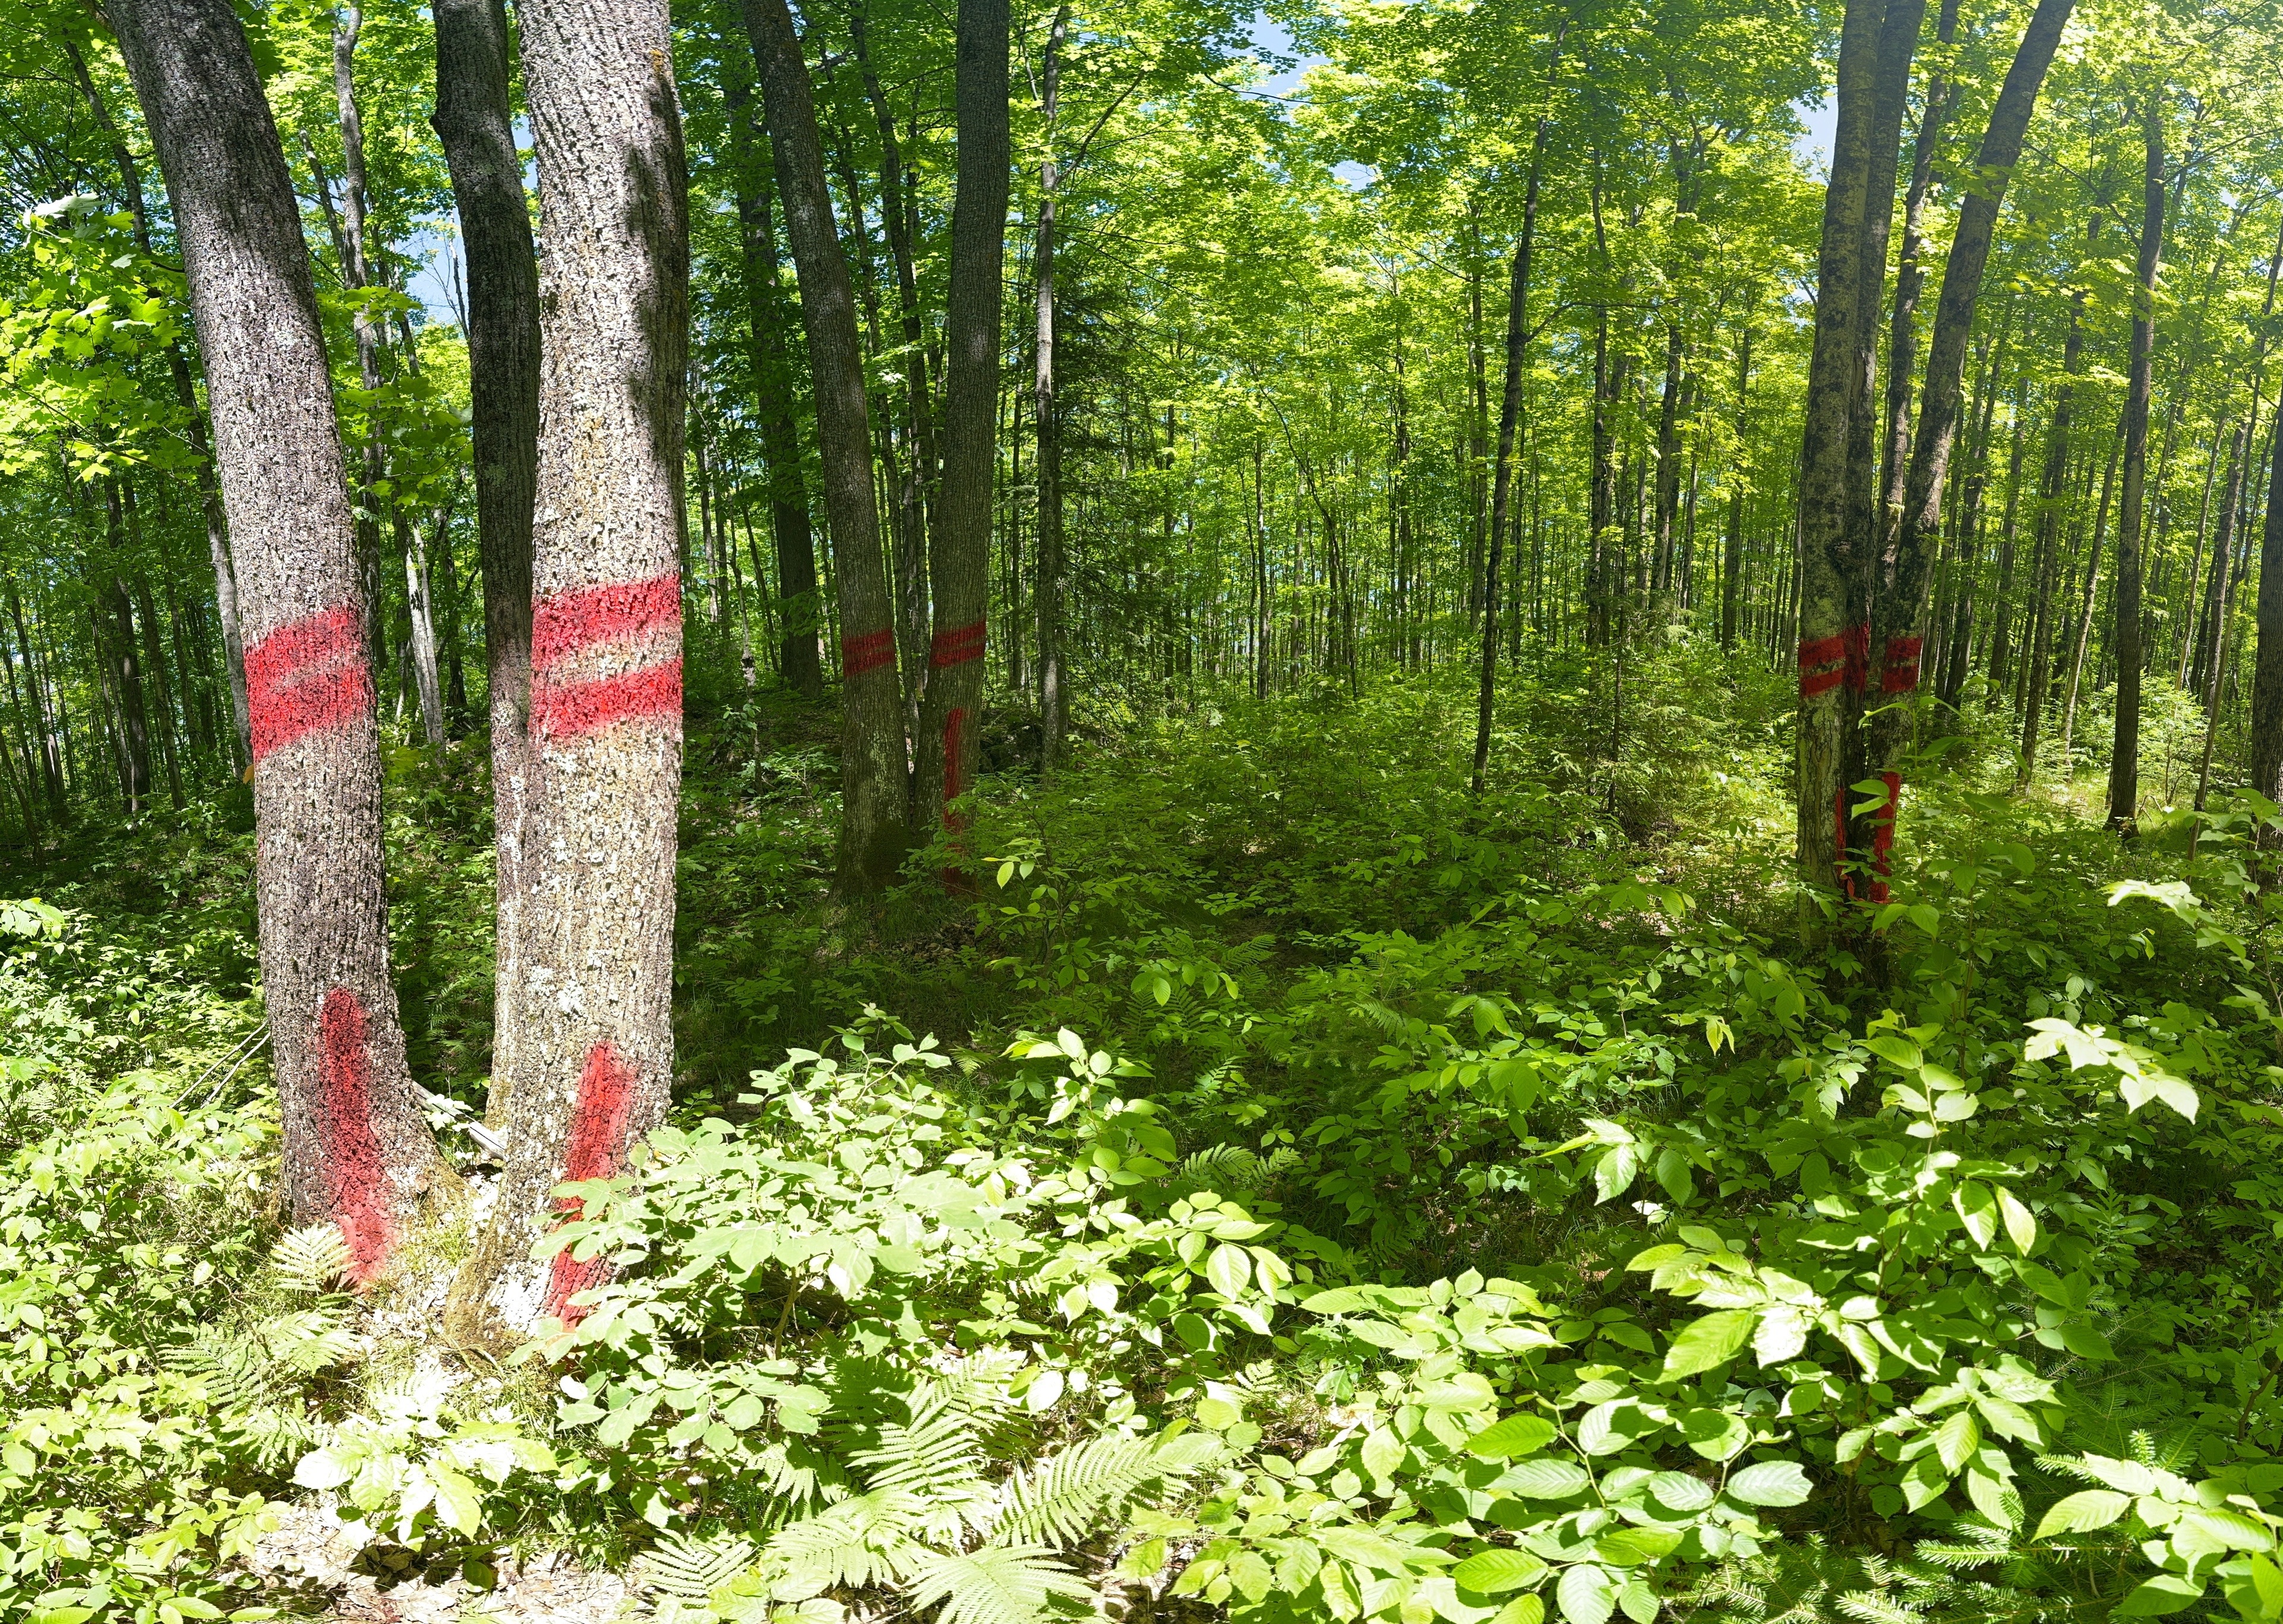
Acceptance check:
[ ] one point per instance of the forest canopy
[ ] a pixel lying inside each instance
(1361, 809)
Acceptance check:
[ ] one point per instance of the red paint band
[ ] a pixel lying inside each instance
(564, 710)
(956, 647)
(869, 652)
(562, 623)
(306, 676)
(1847, 654)
(355, 1175)
(1882, 837)
(597, 1147)
(1901, 674)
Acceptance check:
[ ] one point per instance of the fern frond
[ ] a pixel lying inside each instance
(312, 1259)
(999, 1584)
(865, 1540)
(1063, 1497)
(935, 1453)
(1872, 1607)
(687, 1568)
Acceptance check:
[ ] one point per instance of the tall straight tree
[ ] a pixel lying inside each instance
(2124, 759)
(1837, 506)
(1904, 571)
(958, 563)
(1053, 680)
(357, 1148)
(1517, 347)
(873, 770)
(475, 122)
(595, 1053)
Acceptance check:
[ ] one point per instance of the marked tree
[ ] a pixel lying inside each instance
(594, 1045)
(357, 1148)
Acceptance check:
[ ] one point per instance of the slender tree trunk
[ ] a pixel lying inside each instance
(595, 1047)
(1909, 276)
(357, 1149)
(2124, 759)
(1054, 681)
(1517, 346)
(2267, 671)
(474, 121)
(1732, 564)
(2083, 639)
(419, 600)
(799, 612)
(873, 771)
(959, 564)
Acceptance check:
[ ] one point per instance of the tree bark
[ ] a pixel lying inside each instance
(1837, 505)
(357, 1149)
(1731, 562)
(2124, 758)
(959, 562)
(474, 121)
(873, 836)
(594, 1044)
(2267, 670)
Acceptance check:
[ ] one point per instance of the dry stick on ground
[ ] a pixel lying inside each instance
(357, 1148)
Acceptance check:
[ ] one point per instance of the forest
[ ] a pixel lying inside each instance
(1313, 812)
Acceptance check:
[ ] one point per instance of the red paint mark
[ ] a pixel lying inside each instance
(562, 623)
(561, 710)
(356, 1177)
(308, 675)
(598, 1143)
(1843, 657)
(869, 652)
(567, 622)
(1883, 838)
(1901, 674)
(956, 646)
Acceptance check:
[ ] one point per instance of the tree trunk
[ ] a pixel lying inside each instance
(1053, 685)
(1517, 346)
(958, 563)
(1906, 571)
(475, 123)
(2267, 671)
(769, 355)
(1731, 562)
(872, 779)
(594, 1044)
(2090, 598)
(357, 1149)
(419, 600)
(1838, 507)
(2124, 758)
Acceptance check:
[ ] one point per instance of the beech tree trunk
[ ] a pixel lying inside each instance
(2267, 671)
(357, 1149)
(2124, 758)
(873, 836)
(1731, 562)
(959, 561)
(594, 1044)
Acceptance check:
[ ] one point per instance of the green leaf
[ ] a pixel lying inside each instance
(1898, 1050)
(1516, 1434)
(457, 1500)
(1586, 1595)
(1229, 1268)
(1957, 1439)
(2083, 1511)
(2020, 1222)
(1523, 1610)
(1681, 1492)
(1707, 1343)
(2165, 1593)
(1771, 1482)
(1383, 1452)
(1544, 1480)
(2085, 1343)
(1497, 1570)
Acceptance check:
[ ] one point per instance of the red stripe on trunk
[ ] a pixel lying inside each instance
(956, 646)
(356, 1178)
(1901, 674)
(597, 1147)
(1846, 654)
(564, 622)
(308, 675)
(563, 710)
(868, 652)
